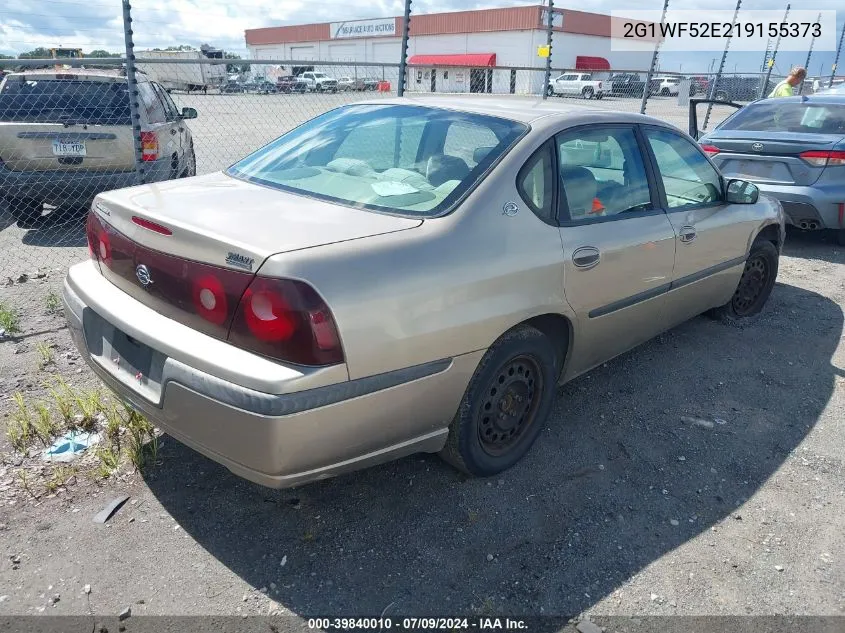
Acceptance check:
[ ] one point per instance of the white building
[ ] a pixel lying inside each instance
(489, 50)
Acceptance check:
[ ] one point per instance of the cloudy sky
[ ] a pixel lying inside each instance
(27, 24)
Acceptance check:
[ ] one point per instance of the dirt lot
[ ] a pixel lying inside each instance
(700, 474)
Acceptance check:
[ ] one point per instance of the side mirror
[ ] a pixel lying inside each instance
(189, 113)
(741, 192)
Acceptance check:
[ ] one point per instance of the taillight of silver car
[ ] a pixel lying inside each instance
(283, 319)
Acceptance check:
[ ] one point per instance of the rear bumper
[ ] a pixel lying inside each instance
(808, 204)
(57, 187)
(297, 428)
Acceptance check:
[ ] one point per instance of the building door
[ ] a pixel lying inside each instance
(476, 80)
(434, 80)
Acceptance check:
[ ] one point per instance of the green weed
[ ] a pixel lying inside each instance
(53, 303)
(10, 320)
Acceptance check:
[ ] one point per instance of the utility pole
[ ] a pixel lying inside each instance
(721, 68)
(809, 55)
(549, 32)
(771, 62)
(400, 89)
(836, 61)
(132, 85)
(647, 86)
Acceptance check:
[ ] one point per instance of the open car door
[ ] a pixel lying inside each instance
(694, 131)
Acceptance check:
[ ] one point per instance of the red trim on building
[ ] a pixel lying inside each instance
(472, 60)
(583, 62)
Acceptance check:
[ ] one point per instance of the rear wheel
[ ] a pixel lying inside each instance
(664, 92)
(550, 91)
(755, 285)
(505, 405)
(587, 93)
(190, 163)
(26, 211)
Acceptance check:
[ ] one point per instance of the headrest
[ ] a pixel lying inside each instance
(442, 167)
(480, 153)
(580, 188)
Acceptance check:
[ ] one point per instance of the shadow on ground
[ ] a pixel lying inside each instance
(63, 230)
(820, 245)
(590, 507)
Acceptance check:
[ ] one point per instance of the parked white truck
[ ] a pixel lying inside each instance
(577, 85)
(183, 76)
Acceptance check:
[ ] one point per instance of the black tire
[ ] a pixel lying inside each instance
(755, 285)
(26, 211)
(600, 96)
(664, 92)
(550, 91)
(191, 163)
(521, 366)
(840, 237)
(721, 96)
(587, 93)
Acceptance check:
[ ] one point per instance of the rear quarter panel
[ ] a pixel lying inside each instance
(449, 287)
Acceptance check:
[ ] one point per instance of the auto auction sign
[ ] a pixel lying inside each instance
(364, 28)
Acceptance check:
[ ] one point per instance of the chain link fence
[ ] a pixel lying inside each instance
(68, 129)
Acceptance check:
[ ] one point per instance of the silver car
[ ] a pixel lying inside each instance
(409, 275)
(793, 149)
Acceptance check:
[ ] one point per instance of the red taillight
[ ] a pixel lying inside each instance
(710, 150)
(286, 320)
(152, 226)
(149, 146)
(209, 297)
(821, 158)
(99, 243)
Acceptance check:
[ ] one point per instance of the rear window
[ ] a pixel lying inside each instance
(411, 160)
(789, 116)
(36, 100)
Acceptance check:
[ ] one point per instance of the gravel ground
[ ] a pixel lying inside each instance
(700, 474)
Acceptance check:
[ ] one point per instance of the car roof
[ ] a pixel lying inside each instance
(815, 98)
(92, 74)
(522, 109)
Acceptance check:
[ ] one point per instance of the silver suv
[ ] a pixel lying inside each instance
(66, 135)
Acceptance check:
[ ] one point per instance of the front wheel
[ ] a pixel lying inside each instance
(755, 285)
(505, 405)
(587, 93)
(550, 91)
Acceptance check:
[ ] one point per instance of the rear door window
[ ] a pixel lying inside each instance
(789, 116)
(152, 105)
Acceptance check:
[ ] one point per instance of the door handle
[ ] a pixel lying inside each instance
(687, 234)
(586, 257)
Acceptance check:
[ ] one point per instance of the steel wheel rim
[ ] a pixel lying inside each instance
(751, 285)
(510, 404)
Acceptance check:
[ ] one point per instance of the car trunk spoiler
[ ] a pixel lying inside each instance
(693, 114)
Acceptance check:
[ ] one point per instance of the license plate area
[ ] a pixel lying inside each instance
(135, 364)
(69, 148)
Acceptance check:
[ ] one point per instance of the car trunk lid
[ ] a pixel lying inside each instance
(215, 229)
(763, 159)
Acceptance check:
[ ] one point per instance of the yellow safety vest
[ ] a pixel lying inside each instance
(783, 89)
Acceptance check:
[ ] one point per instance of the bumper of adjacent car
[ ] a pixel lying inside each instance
(803, 205)
(276, 425)
(74, 186)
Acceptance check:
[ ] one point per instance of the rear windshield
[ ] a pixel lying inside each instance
(779, 115)
(36, 100)
(411, 160)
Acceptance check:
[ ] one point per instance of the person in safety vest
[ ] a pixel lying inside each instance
(786, 88)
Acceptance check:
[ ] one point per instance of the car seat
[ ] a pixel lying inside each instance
(441, 167)
(580, 188)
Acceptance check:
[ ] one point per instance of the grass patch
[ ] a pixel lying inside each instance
(46, 428)
(143, 443)
(53, 303)
(108, 462)
(20, 428)
(62, 397)
(45, 355)
(10, 320)
(62, 476)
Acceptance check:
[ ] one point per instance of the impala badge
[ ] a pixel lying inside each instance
(143, 275)
(241, 261)
(757, 147)
(510, 209)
